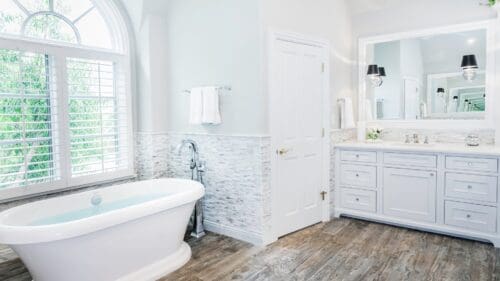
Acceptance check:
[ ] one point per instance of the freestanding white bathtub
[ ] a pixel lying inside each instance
(129, 232)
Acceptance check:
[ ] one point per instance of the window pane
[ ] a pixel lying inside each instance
(97, 118)
(34, 6)
(72, 9)
(70, 21)
(28, 153)
(11, 17)
(50, 27)
(94, 30)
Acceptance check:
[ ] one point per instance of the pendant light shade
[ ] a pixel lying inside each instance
(375, 75)
(381, 72)
(469, 67)
(373, 70)
(469, 61)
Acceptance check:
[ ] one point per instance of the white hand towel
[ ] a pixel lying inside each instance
(347, 114)
(196, 106)
(423, 110)
(211, 112)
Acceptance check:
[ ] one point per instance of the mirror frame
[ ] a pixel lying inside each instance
(486, 123)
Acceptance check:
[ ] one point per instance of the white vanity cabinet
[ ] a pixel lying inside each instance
(443, 189)
(409, 194)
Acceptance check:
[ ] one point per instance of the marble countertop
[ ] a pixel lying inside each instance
(432, 147)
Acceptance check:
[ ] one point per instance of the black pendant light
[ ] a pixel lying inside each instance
(373, 70)
(469, 67)
(374, 75)
(441, 92)
(381, 72)
(469, 61)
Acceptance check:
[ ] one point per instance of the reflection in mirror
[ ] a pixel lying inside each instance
(439, 76)
(451, 96)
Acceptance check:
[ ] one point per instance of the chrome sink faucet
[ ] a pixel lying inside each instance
(415, 138)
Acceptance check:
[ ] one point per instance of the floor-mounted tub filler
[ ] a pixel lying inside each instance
(129, 232)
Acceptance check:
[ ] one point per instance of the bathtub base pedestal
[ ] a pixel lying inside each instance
(163, 267)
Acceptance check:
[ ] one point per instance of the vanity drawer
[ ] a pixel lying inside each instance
(471, 187)
(472, 164)
(407, 159)
(358, 175)
(355, 199)
(469, 216)
(358, 156)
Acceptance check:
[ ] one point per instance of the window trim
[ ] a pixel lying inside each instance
(60, 52)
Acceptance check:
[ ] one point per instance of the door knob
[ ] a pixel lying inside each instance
(282, 151)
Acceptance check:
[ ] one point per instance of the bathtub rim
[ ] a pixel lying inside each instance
(26, 234)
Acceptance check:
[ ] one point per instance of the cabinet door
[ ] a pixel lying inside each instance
(410, 194)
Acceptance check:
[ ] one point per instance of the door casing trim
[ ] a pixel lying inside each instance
(270, 234)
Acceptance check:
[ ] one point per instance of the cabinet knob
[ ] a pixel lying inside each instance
(432, 174)
(470, 164)
(469, 186)
(357, 199)
(357, 175)
(357, 155)
(468, 216)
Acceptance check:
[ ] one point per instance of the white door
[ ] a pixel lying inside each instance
(412, 96)
(410, 194)
(297, 108)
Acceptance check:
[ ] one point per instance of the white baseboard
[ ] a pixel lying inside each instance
(250, 237)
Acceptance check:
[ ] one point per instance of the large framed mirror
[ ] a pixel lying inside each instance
(428, 76)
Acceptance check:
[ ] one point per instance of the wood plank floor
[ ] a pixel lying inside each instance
(344, 249)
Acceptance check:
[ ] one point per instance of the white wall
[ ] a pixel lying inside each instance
(187, 43)
(324, 19)
(151, 64)
(216, 43)
(388, 55)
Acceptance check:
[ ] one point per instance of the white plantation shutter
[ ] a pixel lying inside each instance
(65, 96)
(98, 117)
(64, 121)
(29, 141)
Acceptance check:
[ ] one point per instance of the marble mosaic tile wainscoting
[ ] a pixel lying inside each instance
(151, 155)
(237, 202)
(487, 136)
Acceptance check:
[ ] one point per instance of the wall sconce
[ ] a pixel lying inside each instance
(374, 75)
(469, 67)
(441, 93)
(381, 72)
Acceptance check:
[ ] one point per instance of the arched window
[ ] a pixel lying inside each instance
(65, 117)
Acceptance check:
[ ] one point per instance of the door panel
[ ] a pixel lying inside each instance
(298, 109)
(410, 194)
(411, 97)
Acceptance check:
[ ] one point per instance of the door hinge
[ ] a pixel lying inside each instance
(323, 132)
(322, 67)
(323, 195)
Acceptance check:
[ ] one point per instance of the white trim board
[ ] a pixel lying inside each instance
(250, 237)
